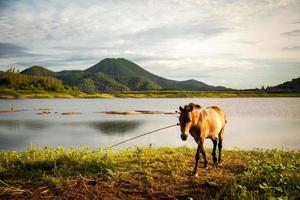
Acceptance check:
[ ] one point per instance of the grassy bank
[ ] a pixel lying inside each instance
(23, 94)
(145, 173)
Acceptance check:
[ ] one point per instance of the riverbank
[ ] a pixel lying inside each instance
(26, 94)
(145, 173)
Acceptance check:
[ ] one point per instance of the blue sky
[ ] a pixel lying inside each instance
(238, 44)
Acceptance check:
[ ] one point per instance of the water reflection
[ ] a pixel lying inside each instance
(10, 141)
(10, 124)
(116, 127)
(36, 125)
(252, 122)
(106, 127)
(29, 124)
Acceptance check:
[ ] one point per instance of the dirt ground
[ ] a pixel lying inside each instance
(208, 185)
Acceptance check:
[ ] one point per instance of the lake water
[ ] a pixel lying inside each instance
(252, 123)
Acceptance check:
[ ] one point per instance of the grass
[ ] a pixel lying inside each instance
(145, 173)
(270, 174)
(200, 94)
(29, 94)
(9, 93)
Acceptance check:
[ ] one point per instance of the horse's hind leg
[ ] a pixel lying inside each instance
(220, 144)
(214, 156)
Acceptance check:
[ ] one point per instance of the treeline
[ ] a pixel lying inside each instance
(14, 80)
(289, 86)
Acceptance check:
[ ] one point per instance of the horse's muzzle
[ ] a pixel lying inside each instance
(184, 137)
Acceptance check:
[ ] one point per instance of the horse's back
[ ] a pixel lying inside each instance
(220, 113)
(216, 120)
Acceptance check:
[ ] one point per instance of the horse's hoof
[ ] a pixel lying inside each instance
(205, 167)
(219, 164)
(195, 174)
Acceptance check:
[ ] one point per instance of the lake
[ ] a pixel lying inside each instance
(252, 123)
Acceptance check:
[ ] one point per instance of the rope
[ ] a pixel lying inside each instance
(142, 135)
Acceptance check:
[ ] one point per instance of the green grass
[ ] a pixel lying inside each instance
(145, 173)
(29, 94)
(269, 174)
(9, 93)
(200, 94)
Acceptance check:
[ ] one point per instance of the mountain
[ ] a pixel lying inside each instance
(136, 78)
(118, 67)
(38, 71)
(118, 74)
(289, 86)
(198, 85)
(126, 72)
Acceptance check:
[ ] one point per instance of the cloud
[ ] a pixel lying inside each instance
(292, 33)
(296, 20)
(178, 31)
(291, 48)
(247, 42)
(8, 50)
(215, 41)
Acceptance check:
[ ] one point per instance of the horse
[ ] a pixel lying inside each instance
(203, 123)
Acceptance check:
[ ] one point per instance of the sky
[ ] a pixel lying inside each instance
(238, 44)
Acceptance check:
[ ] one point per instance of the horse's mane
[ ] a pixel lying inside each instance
(191, 106)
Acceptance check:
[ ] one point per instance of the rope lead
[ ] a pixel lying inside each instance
(142, 135)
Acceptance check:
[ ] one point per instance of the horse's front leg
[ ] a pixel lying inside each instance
(202, 149)
(197, 156)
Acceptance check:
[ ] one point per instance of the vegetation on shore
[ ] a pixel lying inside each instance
(16, 81)
(23, 94)
(117, 74)
(144, 173)
(16, 85)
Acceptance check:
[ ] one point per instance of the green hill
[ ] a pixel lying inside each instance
(118, 67)
(38, 71)
(198, 85)
(127, 73)
(289, 86)
(136, 78)
(118, 74)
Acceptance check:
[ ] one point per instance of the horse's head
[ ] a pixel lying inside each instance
(185, 120)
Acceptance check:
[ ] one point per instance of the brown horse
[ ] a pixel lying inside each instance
(203, 123)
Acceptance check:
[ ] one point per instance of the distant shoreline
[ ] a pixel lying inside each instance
(25, 94)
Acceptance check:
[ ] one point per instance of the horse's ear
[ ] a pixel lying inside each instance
(181, 109)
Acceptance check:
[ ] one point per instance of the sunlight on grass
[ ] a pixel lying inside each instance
(9, 93)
